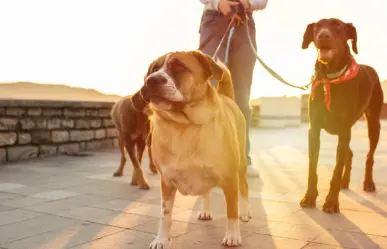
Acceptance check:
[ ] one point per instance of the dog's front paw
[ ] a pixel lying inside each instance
(308, 201)
(144, 186)
(118, 174)
(369, 186)
(159, 243)
(233, 239)
(233, 235)
(331, 205)
(204, 215)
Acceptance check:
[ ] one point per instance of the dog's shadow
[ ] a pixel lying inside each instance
(338, 230)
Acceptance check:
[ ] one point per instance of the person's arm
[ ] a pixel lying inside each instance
(257, 4)
(213, 3)
(254, 4)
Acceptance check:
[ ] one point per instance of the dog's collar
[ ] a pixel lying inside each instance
(347, 73)
(337, 74)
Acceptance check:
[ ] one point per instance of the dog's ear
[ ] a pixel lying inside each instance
(211, 69)
(352, 35)
(308, 36)
(138, 102)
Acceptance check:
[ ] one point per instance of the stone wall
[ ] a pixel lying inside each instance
(32, 129)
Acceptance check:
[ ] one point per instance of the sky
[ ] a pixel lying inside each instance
(108, 45)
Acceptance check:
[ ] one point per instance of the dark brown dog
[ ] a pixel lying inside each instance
(133, 131)
(353, 90)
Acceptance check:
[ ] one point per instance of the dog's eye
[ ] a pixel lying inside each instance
(177, 66)
(155, 68)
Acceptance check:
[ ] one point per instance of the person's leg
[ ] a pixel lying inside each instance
(212, 28)
(242, 63)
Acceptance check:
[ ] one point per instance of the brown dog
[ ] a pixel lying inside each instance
(198, 138)
(342, 91)
(133, 129)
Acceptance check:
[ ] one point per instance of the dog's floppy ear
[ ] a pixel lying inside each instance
(138, 102)
(308, 36)
(352, 35)
(211, 69)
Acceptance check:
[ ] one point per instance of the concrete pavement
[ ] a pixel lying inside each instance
(74, 202)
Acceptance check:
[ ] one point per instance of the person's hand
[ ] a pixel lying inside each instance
(226, 8)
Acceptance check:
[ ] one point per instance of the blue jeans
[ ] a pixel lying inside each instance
(241, 59)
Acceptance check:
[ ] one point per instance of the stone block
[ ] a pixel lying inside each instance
(108, 123)
(50, 112)
(8, 138)
(83, 135)
(98, 144)
(92, 113)
(59, 136)
(96, 123)
(47, 150)
(54, 123)
(100, 133)
(67, 123)
(8, 124)
(107, 143)
(82, 124)
(40, 137)
(17, 153)
(104, 112)
(3, 156)
(115, 142)
(23, 138)
(34, 111)
(82, 146)
(71, 112)
(15, 111)
(2, 111)
(69, 149)
(29, 124)
(93, 145)
(40, 124)
(112, 132)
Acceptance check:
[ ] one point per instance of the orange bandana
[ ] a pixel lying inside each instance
(348, 75)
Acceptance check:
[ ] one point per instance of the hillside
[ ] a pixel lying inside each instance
(28, 90)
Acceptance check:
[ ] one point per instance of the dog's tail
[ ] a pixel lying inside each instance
(225, 85)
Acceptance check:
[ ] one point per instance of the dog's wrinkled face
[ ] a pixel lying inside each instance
(176, 79)
(330, 37)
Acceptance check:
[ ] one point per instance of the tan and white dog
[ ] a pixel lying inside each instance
(198, 138)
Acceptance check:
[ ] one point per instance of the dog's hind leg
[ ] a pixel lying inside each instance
(152, 166)
(120, 170)
(138, 175)
(140, 149)
(205, 209)
(347, 171)
(373, 122)
(244, 206)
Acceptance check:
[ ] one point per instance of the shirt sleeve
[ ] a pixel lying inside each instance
(213, 4)
(255, 4)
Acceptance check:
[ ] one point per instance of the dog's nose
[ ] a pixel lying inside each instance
(155, 80)
(323, 35)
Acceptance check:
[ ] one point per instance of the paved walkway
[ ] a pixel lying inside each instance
(73, 202)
